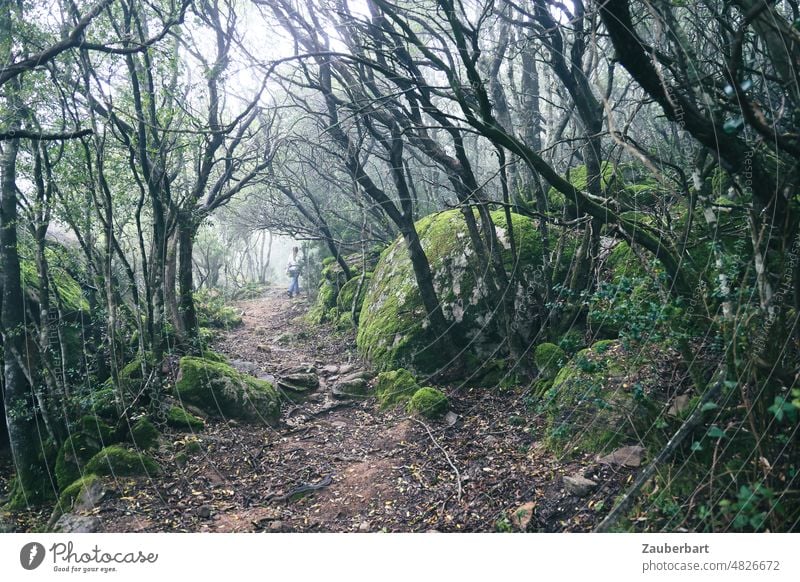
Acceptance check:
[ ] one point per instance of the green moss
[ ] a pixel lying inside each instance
(68, 289)
(214, 357)
(549, 358)
(94, 426)
(72, 492)
(347, 296)
(395, 386)
(144, 434)
(177, 417)
(119, 461)
(103, 402)
(220, 390)
(393, 331)
(73, 456)
(429, 402)
(592, 405)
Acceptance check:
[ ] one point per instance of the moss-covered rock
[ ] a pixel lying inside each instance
(73, 456)
(549, 358)
(144, 434)
(428, 402)
(347, 297)
(395, 386)
(178, 418)
(74, 491)
(393, 328)
(95, 427)
(214, 357)
(220, 390)
(103, 402)
(119, 461)
(598, 401)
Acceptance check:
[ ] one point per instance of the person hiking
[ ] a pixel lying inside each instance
(293, 270)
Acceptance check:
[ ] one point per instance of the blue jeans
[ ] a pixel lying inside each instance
(294, 286)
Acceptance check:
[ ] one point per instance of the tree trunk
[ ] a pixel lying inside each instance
(187, 230)
(19, 408)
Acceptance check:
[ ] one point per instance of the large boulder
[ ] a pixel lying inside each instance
(603, 397)
(393, 330)
(221, 391)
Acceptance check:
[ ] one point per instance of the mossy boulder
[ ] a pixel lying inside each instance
(77, 490)
(347, 297)
(549, 358)
(221, 391)
(179, 418)
(600, 399)
(393, 329)
(428, 402)
(103, 402)
(119, 461)
(628, 296)
(95, 427)
(395, 386)
(144, 434)
(73, 456)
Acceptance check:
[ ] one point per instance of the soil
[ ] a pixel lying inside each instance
(388, 471)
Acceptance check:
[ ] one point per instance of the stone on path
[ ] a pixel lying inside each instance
(579, 485)
(625, 456)
(523, 515)
(72, 523)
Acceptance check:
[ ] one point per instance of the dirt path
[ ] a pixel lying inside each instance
(387, 471)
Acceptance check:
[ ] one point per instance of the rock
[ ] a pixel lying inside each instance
(353, 388)
(244, 367)
(428, 402)
(299, 382)
(579, 485)
(276, 526)
(450, 418)
(678, 405)
(363, 527)
(346, 369)
(549, 359)
(71, 523)
(590, 406)
(347, 295)
(204, 511)
(393, 330)
(626, 456)
(119, 461)
(523, 515)
(144, 434)
(73, 456)
(263, 348)
(330, 370)
(301, 369)
(395, 387)
(222, 391)
(178, 417)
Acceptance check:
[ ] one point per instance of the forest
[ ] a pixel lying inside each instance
(547, 257)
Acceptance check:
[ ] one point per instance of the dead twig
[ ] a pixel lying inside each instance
(446, 456)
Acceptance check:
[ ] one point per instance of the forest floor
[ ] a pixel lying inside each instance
(387, 471)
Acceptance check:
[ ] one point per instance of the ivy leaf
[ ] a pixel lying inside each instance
(715, 432)
(709, 406)
(696, 447)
